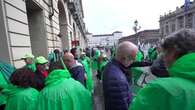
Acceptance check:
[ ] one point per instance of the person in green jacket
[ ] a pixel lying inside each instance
(6, 71)
(29, 60)
(86, 63)
(152, 54)
(63, 92)
(20, 94)
(95, 60)
(136, 73)
(176, 92)
(103, 60)
(139, 56)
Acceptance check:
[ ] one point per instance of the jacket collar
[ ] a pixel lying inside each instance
(122, 67)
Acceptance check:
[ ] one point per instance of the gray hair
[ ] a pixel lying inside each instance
(183, 41)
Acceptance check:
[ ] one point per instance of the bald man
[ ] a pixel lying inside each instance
(75, 68)
(117, 93)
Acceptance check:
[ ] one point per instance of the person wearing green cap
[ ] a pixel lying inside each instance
(42, 65)
(41, 72)
(176, 92)
(63, 92)
(29, 60)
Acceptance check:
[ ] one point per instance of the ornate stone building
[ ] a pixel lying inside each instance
(39, 26)
(177, 20)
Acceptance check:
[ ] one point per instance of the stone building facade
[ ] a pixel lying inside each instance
(39, 27)
(174, 21)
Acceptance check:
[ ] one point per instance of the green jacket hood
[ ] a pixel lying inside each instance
(57, 75)
(11, 90)
(184, 67)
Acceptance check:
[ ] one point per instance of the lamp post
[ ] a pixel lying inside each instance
(136, 28)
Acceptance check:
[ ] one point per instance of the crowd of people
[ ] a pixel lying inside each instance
(63, 81)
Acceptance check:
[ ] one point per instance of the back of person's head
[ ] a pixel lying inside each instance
(182, 42)
(73, 51)
(55, 65)
(56, 51)
(23, 77)
(65, 50)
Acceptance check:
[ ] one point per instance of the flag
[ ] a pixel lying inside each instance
(186, 5)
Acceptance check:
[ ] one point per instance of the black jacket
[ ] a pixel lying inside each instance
(117, 94)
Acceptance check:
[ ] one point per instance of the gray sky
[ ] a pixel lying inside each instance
(107, 16)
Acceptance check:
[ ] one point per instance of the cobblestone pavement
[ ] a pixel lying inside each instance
(98, 98)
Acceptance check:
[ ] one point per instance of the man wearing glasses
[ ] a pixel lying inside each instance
(117, 91)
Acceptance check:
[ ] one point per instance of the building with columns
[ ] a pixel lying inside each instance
(177, 20)
(39, 27)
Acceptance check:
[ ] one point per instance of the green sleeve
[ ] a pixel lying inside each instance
(151, 97)
(2, 83)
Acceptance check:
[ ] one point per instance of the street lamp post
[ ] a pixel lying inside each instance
(136, 28)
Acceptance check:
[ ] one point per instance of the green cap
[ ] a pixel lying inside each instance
(41, 60)
(28, 55)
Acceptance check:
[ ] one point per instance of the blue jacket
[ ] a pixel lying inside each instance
(78, 73)
(117, 95)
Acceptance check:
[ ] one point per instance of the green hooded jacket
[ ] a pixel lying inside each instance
(89, 81)
(20, 98)
(174, 93)
(63, 93)
(102, 66)
(152, 54)
(5, 72)
(136, 73)
(3, 82)
(139, 56)
(95, 60)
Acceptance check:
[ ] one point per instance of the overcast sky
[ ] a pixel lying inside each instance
(107, 16)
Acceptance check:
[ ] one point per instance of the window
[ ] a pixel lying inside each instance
(173, 27)
(189, 19)
(69, 16)
(181, 22)
(167, 29)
